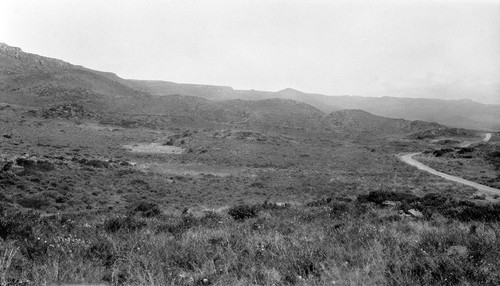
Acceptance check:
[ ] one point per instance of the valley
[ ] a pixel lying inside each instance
(108, 180)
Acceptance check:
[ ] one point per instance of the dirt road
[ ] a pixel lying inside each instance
(408, 159)
(486, 138)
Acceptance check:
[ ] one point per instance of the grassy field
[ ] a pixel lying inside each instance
(327, 242)
(261, 206)
(479, 163)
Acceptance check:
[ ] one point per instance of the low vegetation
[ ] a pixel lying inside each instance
(103, 182)
(374, 240)
(479, 163)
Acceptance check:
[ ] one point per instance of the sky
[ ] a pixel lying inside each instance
(435, 49)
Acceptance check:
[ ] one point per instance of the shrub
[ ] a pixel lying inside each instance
(147, 209)
(242, 212)
(33, 166)
(318, 203)
(441, 152)
(274, 206)
(94, 163)
(103, 251)
(466, 211)
(211, 218)
(434, 262)
(35, 202)
(379, 197)
(339, 208)
(179, 228)
(18, 225)
(127, 224)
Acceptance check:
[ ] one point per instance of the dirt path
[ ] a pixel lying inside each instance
(408, 159)
(486, 138)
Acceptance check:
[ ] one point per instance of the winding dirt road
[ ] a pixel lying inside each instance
(408, 159)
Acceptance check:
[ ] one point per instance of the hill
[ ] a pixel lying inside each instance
(360, 121)
(224, 191)
(32, 80)
(454, 113)
(366, 128)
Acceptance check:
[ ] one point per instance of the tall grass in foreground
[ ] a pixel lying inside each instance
(330, 242)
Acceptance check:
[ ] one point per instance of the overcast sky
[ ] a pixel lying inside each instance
(439, 49)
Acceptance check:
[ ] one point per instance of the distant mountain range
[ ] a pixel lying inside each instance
(453, 113)
(34, 80)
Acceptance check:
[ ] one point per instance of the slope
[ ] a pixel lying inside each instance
(41, 82)
(455, 113)
(356, 122)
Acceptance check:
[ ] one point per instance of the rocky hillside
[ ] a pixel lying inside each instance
(37, 81)
(277, 112)
(34, 80)
(455, 113)
(41, 82)
(15, 61)
(359, 121)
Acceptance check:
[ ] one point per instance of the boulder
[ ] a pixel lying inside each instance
(415, 213)
(389, 203)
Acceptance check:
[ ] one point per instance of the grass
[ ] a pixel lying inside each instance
(5, 262)
(327, 242)
(479, 163)
(75, 209)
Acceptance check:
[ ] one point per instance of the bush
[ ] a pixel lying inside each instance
(18, 225)
(433, 261)
(103, 251)
(242, 212)
(441, 152)
(181, 227)
(379, 197)
(93, 163)
(318, 203)
(147, 209)
(466, 211)
(35, 202)
(339, 208)
(127, 224)
(33, 166)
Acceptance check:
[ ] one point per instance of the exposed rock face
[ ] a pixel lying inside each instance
(415, 213)
(14, 60)
(4, 48)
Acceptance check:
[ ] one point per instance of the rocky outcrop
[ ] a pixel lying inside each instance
(14, 60)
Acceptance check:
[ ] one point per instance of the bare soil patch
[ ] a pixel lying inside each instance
(155, 148)
(188, 169)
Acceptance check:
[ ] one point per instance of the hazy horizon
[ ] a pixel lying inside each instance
(430, 49)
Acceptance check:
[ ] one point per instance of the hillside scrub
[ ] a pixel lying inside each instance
(329, 241)
(478, 163)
